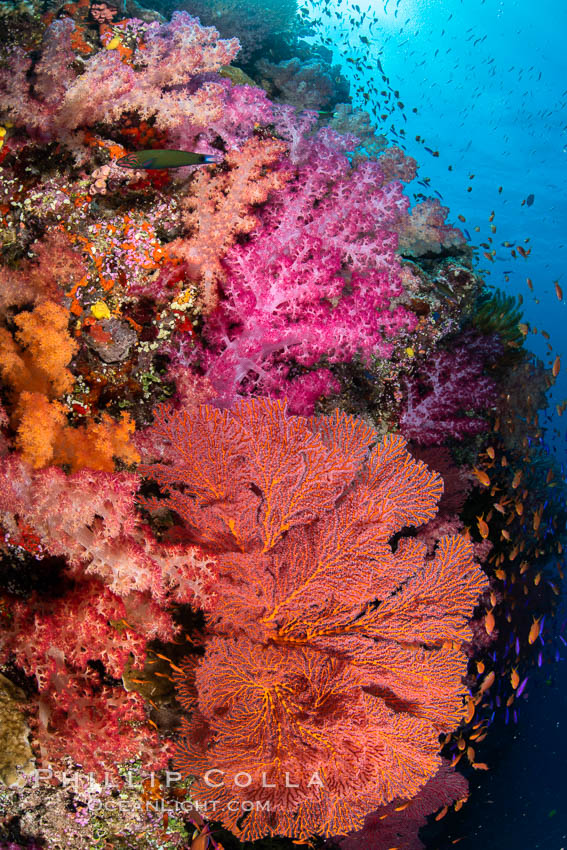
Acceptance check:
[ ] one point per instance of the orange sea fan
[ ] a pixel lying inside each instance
(333, 661)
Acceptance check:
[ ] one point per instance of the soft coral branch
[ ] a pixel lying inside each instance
(34, 365)
(90, 519)
(218, 209)
(447, 399)
(318, 278)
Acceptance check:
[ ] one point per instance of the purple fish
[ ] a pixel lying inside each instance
(539, 660)
(562, 639)
(515, 716)
(517, 646)
(521, 687)
(507, 717)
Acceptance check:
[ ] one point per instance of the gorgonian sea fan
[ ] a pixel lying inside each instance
(332, 663)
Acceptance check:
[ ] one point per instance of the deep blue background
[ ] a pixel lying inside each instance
(489, 81)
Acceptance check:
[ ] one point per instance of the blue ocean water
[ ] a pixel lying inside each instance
(483, 83)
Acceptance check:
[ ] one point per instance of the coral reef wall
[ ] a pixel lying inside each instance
(273, 496)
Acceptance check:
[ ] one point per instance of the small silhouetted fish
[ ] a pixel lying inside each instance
(444, 289)
(529, 200)
(159, 158)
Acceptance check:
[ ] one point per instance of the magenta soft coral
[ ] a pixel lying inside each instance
(317, 279)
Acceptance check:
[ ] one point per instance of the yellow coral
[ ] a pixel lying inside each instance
(100, 310)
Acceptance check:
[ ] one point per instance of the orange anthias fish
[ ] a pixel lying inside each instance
(200, 840)
(482, 476)
(534, 631)
(487, 682)
(203, 840)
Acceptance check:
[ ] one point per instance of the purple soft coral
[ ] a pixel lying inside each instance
(442, 398)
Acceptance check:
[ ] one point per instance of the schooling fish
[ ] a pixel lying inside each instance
(157, 159)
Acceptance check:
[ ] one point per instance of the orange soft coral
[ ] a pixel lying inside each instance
(39, 363)
(34, 366)
(44, 437)
(96, 444)
(39, 422)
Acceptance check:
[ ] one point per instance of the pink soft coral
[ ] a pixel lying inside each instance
(117, 585)
(170, 74)
(219, 207)
(153, 84)
(89, 518)
(317, 279)
(425, 231)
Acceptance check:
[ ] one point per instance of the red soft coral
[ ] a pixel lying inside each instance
(54, 639)
(97, 727)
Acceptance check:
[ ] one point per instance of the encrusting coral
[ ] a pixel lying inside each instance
(16, 756)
